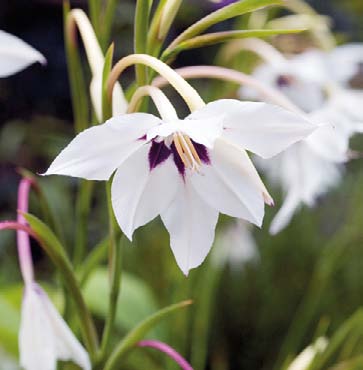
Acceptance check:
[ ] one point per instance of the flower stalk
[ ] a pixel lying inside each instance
(187, 92)
(231, 75)
(165, 108)
(169, 351)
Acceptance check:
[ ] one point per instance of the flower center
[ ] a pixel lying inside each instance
(186, 151)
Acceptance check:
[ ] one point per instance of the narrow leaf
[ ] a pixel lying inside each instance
(139, 332)
(219, 37)
(227, 12)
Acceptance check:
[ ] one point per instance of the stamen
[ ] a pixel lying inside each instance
(192, 149)
(187, 151)
(179, 149)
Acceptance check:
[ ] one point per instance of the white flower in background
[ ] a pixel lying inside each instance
(311, 167)
(44, 336)
(306, 357)
(235, 246)
(185, 170)
(16, 55)
(345, 63)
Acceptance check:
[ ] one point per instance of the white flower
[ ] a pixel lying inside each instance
(306, 357)
(311, 167)
(235, 246)
(15, 55)
(185, 170)
(44, 337)
(346, 62)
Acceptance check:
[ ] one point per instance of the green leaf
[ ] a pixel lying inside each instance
(349, 328)
(136, 300)
(227, 12)
(9, 325)
(218, 37)
(139, 332)
(141, 29)
(107, 101)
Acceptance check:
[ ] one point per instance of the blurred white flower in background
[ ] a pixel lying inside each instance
(311, 80)
(16, 55)
(235, 246)
(306, 357)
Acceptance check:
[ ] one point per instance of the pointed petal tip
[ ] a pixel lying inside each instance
(268, 199)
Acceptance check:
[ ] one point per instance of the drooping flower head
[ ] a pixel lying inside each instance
(44, 337)
(185, 170)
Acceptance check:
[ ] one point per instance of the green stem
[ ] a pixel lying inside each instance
(115, 267)
(141, 30)
(204, 309)
(96, 256)
(83, 205)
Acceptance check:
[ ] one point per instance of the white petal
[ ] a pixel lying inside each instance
(310, 66)
(204, 131)
(306, 357)
(67, 346)
(331, 141)
(230, 184)
(344, 61)
(140, 194)
(262, 128)
(304, 175)
(44, 337)
(191, 224)
(15, 54)
(235, 246)
(285, 213)
(96, 152)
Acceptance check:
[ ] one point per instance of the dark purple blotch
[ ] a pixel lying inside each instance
(284, 80)
(177, 160)
(202, 152)
(158, 154)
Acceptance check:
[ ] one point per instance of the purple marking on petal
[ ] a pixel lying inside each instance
(142, 138)
(177, 160)
(284, 80)
(202, 152)
(158, 153)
